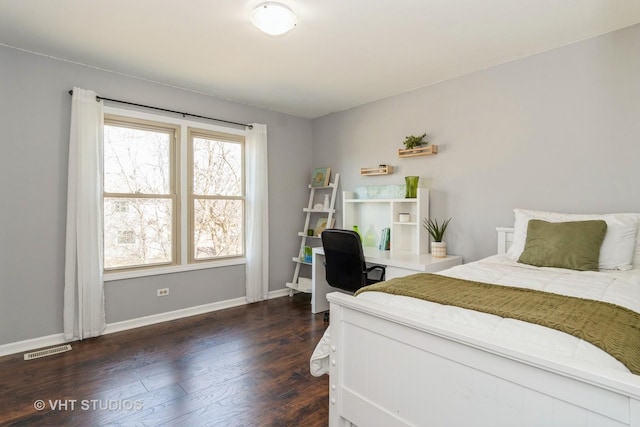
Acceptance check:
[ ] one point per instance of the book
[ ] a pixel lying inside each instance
(320, 177)
(387, 243)
(385, 237)
(321, 225)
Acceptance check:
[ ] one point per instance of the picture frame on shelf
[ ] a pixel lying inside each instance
(321, 225)
(320, 177)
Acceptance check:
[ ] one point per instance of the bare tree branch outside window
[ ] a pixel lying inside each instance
(218, 198)
(138, 199)
(142, 202)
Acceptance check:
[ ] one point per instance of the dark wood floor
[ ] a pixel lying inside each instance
(243, 366)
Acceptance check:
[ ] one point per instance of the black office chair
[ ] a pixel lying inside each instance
(345, 265)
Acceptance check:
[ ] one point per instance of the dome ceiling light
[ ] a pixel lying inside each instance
(273, 18)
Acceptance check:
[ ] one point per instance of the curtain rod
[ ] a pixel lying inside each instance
(98, 98)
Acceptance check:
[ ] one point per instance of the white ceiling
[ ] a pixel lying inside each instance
(343, 53)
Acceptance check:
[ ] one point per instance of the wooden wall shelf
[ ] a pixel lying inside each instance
(426, 150)
(384, 170)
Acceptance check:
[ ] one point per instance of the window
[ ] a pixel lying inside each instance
(169, 203)
(139, 193)
(216, 195)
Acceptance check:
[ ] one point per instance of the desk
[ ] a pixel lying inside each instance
(397, 264)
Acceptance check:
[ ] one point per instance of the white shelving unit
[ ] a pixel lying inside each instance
(316, 196)
(376, 214)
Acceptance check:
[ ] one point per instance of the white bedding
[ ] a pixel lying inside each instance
(617, 287)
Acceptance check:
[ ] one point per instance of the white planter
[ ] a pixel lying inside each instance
(438, 249)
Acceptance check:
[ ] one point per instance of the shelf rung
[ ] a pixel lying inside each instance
(301, 234)
(295, 287)
(318, 210)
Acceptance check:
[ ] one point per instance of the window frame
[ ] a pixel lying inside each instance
(195, 132)
(182, 238)
(174, 191)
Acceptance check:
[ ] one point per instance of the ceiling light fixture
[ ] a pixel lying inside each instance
(273, 18)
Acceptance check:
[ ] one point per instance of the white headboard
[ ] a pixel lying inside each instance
(505, 239)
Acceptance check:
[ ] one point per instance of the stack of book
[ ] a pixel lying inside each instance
(385, 239)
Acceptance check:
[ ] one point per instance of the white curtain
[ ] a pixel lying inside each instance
(257, 209)
(84, 315)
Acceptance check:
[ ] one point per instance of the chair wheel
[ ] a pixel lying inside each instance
(326, 316)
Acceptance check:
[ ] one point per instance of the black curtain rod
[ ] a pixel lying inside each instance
(98, 98)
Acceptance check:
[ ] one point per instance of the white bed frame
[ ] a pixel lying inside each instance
(391, 370)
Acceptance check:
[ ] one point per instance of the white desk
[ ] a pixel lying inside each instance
(397, 264)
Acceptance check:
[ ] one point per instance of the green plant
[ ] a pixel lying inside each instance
(413, 141)
(436, 230)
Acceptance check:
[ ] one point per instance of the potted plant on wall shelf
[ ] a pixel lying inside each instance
(436, 231)
(413, 141)
(417, 146)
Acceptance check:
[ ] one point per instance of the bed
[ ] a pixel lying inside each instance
(399, 361)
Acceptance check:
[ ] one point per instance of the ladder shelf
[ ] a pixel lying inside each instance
(299, 282)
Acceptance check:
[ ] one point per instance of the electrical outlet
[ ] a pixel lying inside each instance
(163, 292)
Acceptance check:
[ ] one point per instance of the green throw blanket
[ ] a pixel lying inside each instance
(612, 328)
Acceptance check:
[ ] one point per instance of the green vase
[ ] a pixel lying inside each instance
(411, 191)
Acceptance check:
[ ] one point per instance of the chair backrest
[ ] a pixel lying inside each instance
(345, 263)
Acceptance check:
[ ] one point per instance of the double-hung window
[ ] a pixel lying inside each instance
(173, 194)
(216, 195)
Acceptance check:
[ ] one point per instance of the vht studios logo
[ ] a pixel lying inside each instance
(88, 405)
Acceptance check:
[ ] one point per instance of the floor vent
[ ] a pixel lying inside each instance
(47, 352)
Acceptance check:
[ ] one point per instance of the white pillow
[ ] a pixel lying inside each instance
(636, 257)
(618, 251)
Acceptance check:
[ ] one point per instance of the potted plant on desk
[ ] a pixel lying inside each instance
(436, 231)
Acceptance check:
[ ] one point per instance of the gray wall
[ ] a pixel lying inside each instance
(556, 131)
(34, 123)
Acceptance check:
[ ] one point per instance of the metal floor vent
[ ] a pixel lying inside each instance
(47, 352)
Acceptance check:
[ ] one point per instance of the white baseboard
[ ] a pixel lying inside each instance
(32, 344)
(172, 315)
(284, 292)
(57, 339)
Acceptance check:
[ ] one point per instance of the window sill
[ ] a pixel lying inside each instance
(132, 274)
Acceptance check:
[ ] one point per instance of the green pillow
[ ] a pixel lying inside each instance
(574, 245)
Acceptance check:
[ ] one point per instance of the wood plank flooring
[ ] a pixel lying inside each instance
(243, 366)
